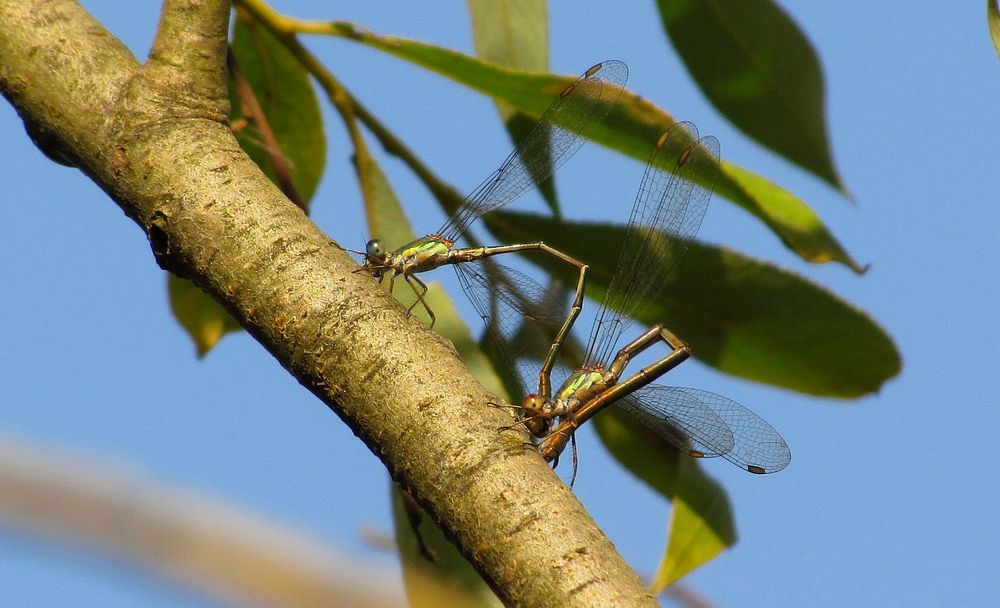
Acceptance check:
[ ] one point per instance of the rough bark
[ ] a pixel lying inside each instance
(155, 137)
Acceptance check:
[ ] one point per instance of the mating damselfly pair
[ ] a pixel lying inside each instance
(672, 199)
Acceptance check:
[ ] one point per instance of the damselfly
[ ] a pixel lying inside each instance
(557, 136)
(668, 210)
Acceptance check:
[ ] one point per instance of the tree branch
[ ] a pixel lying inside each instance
(190, 45)
(167, 156)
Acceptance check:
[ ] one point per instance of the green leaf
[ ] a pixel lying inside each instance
(802, 230)
(201, 316)
(700, 526)
(701, 523)
(744, 317)
(387, 222)
(529, 92)
(453, 574)
(993, 21)
(514, 34)
(632, 129)
(759, 70)
(286, 96)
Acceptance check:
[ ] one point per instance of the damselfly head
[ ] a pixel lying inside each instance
(374, 251)
(534, 405)
(539, 418)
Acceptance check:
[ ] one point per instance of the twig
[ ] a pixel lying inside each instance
(252, 111)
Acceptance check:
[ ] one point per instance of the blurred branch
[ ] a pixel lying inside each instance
(157, 139)
(220, 550)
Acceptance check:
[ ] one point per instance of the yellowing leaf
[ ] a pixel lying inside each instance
(201, 316)
(701, 522)
(700, 526)
(993, 21)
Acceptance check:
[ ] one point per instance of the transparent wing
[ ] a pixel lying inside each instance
(680, 418)
(557, 136)
(522, 318)
(666, 215)
(706, 424)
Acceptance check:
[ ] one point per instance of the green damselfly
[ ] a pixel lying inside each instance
(558, 135)
(668, 210)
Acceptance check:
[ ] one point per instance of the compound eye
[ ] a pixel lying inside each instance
(374, 249)
(533, 404)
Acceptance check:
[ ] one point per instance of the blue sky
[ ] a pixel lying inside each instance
(890, 500)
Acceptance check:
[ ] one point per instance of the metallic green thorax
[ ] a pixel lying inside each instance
(581, 386)
(424, 253)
